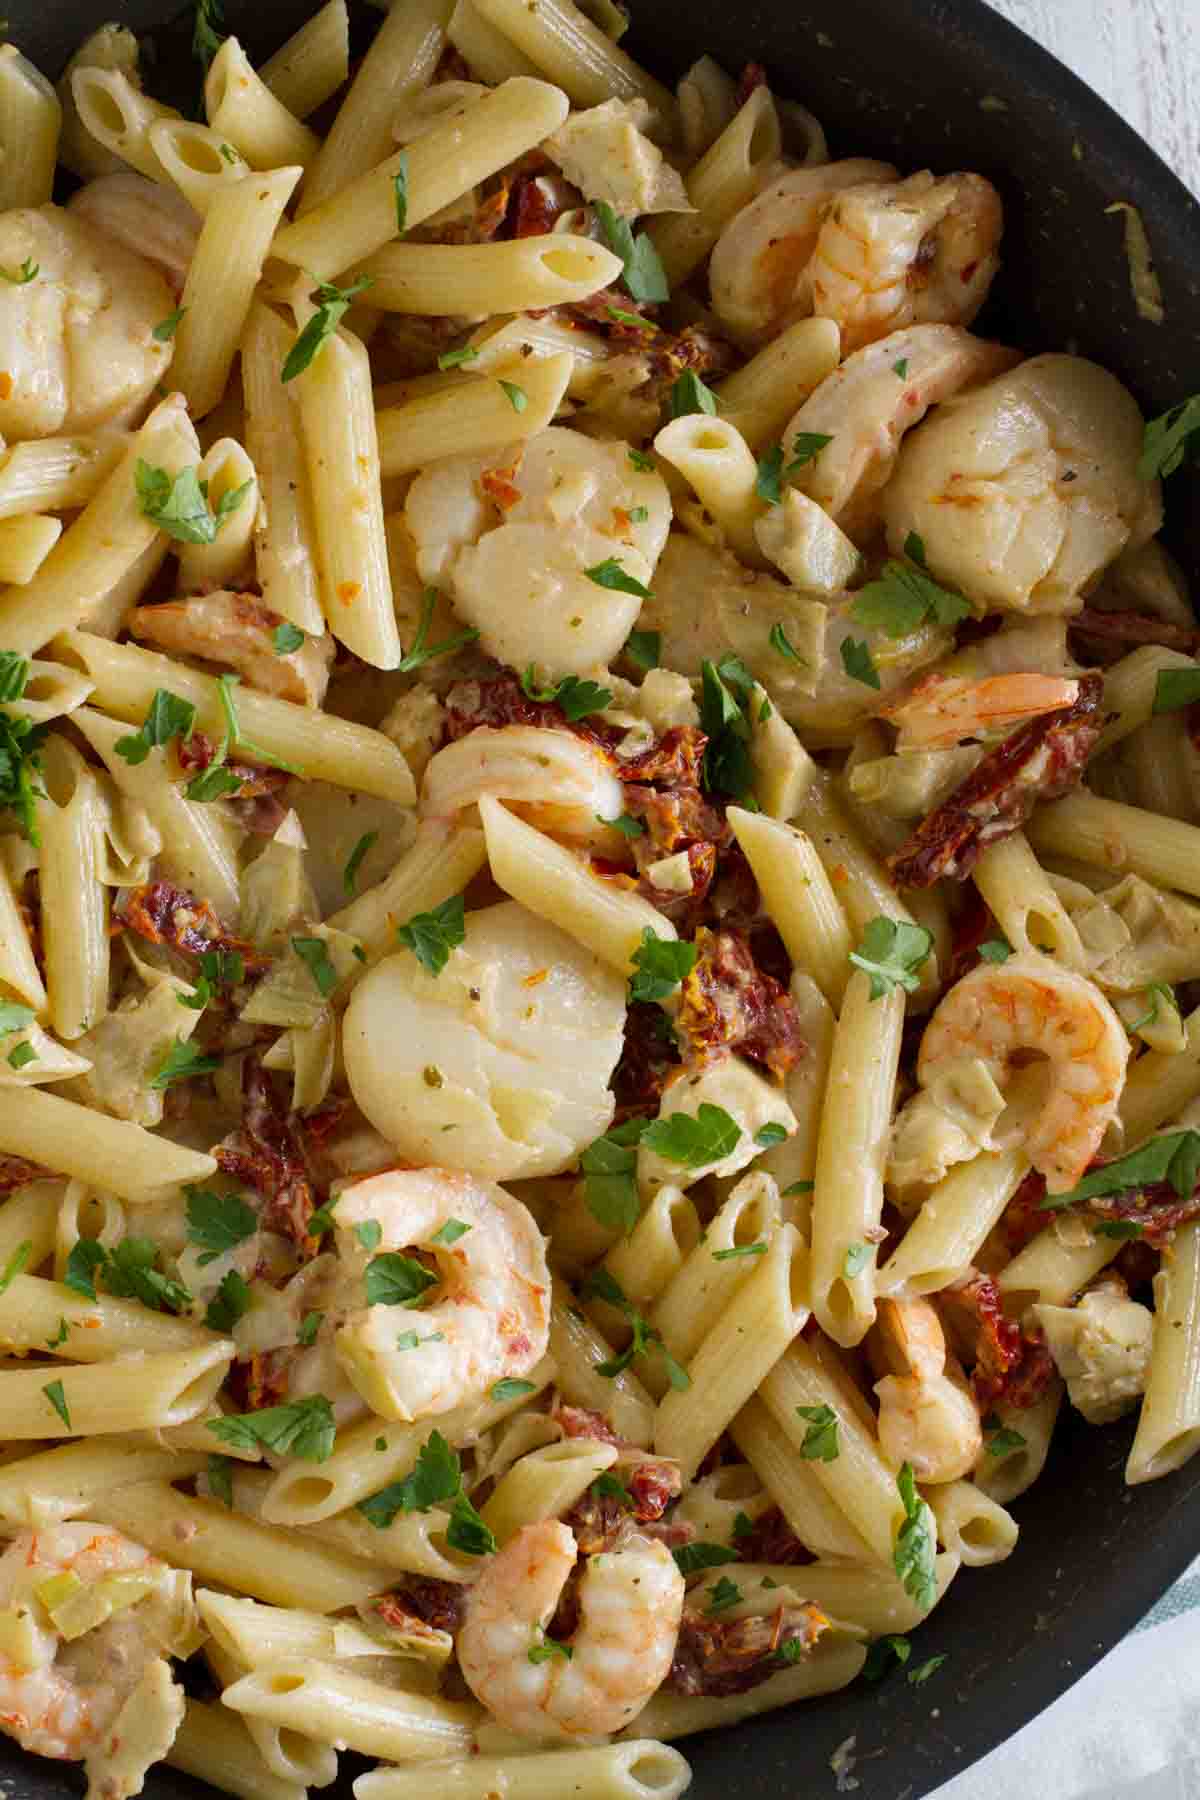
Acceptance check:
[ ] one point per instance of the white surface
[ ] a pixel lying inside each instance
(1143, 56)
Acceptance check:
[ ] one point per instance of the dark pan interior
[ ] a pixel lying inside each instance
(908, 79)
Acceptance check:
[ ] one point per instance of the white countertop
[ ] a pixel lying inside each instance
(1143, 56)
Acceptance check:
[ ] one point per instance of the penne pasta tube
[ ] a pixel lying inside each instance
(111, 47)
(1027, 909)
(735, 1355)
(18, 965)
(484, 48)
(333, 1705)
(118, 116)
(1003, 1478)
(30, 122)
(708, 1278)
(1129, 689)
(545, 1484)
(1125, 838)
(28, 1216)
(800, 898)
(198, 843)
(858, 1481)
(75, 943)
(725, 179)
(33, 1311)
(57, 473)
(578, 1349)
(575, 53)
(204, 568)
(223, 1546)
(65, 1483)
(243, 111)
(716, 462)
(971, 1524)
(438, 864)
(762, 396)
(637, 1770)
(213, 1745)
(861, 1594)
(314, 63)
(25, 543)
(320, 747)
(195, 161)
(816, 1520)
(253, 1634)
(793, 1164)
(288, 1754)
(557, 885)
(834, 1663)
(852, 1149)
(1168, 1428)
(352, 221)
(50, 692)
(108, 1153)
(238, 227)
(466, 417)
(1159, 1085)
(342, 455)
(504, 276)
(285, 537)
(103, 542)
(1052, 1270)
(414, 1542)
(401, 60)
(643, 1263)
(305, 1494)
(943, 1240)
(164, 1388)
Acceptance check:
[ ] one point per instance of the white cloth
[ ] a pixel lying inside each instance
(1129, 1730)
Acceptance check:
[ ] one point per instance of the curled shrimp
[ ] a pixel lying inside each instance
(83, 1616)
(865, 407)
(941, 710)
(237, 630)
(1008, 1015)
(926, 1414)
(758, 275)
(486, 1321)
(630, 1605)
(896, 253)
(559, 782)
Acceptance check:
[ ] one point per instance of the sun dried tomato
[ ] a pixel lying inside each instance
(1012, 1364)
(1107, 635)
(715, 1656)
(162, 913)
(727, 1003)
(772, 1540)
(267, 1153)
(439, 1604)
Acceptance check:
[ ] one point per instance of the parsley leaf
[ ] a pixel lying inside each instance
(181, 1063)
(16, 1264)
(56, 1342)
(659, 965)
(644, 649)
(369, 1234)
(606, 1287)
(770, 471)
(457, 359)
(723, 1594)
(643, 274)
(24, 275)
(806, 447)
(858, 662)
(14, 675)
(310, 1324)
(468, 1532)
(355, 859)
(913, 1555)
(821, 1439)
(880, 1655)
(690, 395)
(166, 328)
(691, 1557)
(1175, 688)
(1159, 992)
(437, 1478)
(901, 368)
(904, 597)
(739, 1250)
(432, 935)
(727, 765)
(286, 637)
(770, 1134)
(511, 1389)
(14, 1017)
(645, 465)
(86, 1256)
(609, 574)
(548, 1648)
(855, 1260)
(624, 823)
(517, 398)
(314, 954)
(1004, 1442)
(450, 1232)
(304, 1428)
(55, 1394)
(1172, 1156)
(1119, 1228)
(577, 698)
(179, 505)
(396, 1280)
(420, 654)
(922, 1673)
(611, 1487)
(220, 1478)
(168, 716)
(709, 1137)
(400, 192)
(130, 1274)
(217, 1222)
(1169, 438)
(609, 1167)
(206, 38)
(334, 303)
(995, 950)
(779, 641)
(891, 952)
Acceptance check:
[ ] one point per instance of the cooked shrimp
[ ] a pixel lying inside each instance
(926, 1414)
(501, 1063)
(489, 1318)
(913, 252)
(63, 1680)
(147, 217)
(559, 782)
(237, 631)
(77, 344)
(513, 537)
(943, 709)
(759, 273)
(1024, 491)
(865, 407)
(1009, 1014)
(630, 1605)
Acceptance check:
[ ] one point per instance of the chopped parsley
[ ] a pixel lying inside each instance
(604, 1286)
(1170, 438)
(995, 950)
(27, 272)
(821, 1439)
(16, 1264)
(516, 396)
(314, 954)
(456, 359)
(400, 193)
(644, 649)
(168, 717)
(304, 1428)
(228, 1304)
(166, 328)
(690, 395)
(609, 1167)
(904, 597)
(420, 653)
(609, 574)
(914, 1552)
(855, 1260)
(396, 1280)
(723, 1594)
(643, 274)
(450, 1232)
(355, 859)
(709, 1137)
(511, 1389)
(858, 661)
(179, 504)
(577, 698)
(220, 1478)
(768, 1135)
(333, 304)
(891, 952)
(182, 1063)
(1175, 688)
(286, 637)
(217, 1222)
(55, 1394)
(659, 965)
(728, 768)
(739, 1250)
(1172, 1156)
(547, 1648)
(432, 935)
(691, 1557)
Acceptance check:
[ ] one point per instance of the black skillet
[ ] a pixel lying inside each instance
(945, 84)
